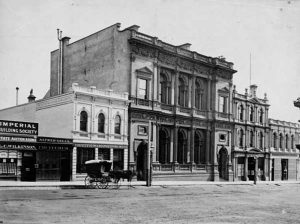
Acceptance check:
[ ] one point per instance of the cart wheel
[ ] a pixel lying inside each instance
(89, 182)
(102, 183)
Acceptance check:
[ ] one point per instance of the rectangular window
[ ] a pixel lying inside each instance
(83, 155)
(142, 89)
(104, 154)
(222, 104)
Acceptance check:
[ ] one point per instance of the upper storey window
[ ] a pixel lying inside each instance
(164, 89)
(142, 89)
(118, 125)
(280, 141)
(83, 121)
(222, 104)
(241, 138)
(251, 139)
(241, 112)
(199, 95)
(286, 141)
(251, 111)
(261, 115)
(183, 93)
(274, 140)
(101, 123)
(292, 142)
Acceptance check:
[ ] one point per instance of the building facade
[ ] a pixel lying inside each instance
(185, 95)
(83, 124)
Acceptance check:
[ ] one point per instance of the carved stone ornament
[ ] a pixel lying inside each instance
(201, 69)
(224, 75)
(143, 51)
(185, 65)
(167, 59)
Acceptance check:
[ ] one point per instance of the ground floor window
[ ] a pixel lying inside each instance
(83, 155)
(284, 169)
(118, 159)
(8, 167)
(104, 154)
(240, 168)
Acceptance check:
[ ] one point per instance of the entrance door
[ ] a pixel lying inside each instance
(251, 168)
(141, 163)
(65, 166)
(284, 169)
(28, 169)
(223, 163)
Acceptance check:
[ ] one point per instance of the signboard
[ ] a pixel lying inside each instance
(17, 146)
(55, 140)
(54, 147)
(16, 139)
(18, 127)
(101, 146)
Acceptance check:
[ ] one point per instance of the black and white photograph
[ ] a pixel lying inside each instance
(149, 111)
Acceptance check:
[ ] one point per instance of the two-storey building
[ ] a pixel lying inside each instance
(185, 95)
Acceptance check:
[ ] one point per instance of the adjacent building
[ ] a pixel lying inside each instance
(66, 130)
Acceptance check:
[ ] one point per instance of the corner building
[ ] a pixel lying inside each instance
(186, 96)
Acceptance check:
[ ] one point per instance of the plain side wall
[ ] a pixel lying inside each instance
(56, 121)
(101, 59)
(25, 112)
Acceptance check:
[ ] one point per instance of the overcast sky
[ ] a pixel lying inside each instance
(268, 29)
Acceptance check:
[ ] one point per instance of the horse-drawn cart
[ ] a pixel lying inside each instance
(100, 175)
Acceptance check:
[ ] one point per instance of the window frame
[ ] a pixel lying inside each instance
(83, 122)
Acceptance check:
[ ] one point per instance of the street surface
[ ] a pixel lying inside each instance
(189, 204)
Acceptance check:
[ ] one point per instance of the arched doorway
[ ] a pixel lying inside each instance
(199, 148)
(223, 163)
(141, 163)
(164, 147)
(182, 147)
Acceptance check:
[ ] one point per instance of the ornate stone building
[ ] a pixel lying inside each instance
(186, 96)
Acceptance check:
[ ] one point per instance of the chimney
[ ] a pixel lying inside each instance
(31, 97)
(17, 95)
(185, 46)
(253, 89)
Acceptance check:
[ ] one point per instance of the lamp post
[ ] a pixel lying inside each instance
(149, 173)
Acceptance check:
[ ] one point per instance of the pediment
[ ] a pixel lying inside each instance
(254, 100)
(225, 89)
(144, 70)
(255, 150)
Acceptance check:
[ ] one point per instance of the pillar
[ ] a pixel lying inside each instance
(96, 153)
(207, 159)
(193, 92)
(74, 163)
(158, 84)
(154, 142)
(125, 159)
(175, 144)
(176, 88)
(246, 168)
(188, 153)
(192, 145)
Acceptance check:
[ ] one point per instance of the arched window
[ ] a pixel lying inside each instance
(101, 123)
(260, 115)
(280, 141)
(274, 140)
(241, 112)
(83, 121)
(251, 139)
(260, 139)
(182, 147)
(118, 125)
(241, 138)
(292, 141)
(251, 110)
(164, 147)
(164, 89)
(199, 148)
(286, 141)
(182, 97)
(199, 95)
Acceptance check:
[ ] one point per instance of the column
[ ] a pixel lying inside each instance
(154, 142)
(192, 145)
(96, 153)
(189, 92)
(172, 146)
(188, 153)
(74, 163)
(125, 160)
(175, 140)
(158, 84)
(207, 159)
(193, 92)
(246, 168)
(209, 101)
(111, 157)
(176, 88)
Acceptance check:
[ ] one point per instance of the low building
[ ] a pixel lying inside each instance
(69, 129)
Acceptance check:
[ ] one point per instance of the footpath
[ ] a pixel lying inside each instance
(45, 185)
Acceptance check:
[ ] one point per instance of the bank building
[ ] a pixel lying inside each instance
(121, 85)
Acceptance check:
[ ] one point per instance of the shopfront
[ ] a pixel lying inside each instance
(17, 150)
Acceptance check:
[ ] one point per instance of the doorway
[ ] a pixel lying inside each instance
(284, 169)
(223, 163)
(141, 163)
(251, 168)
(28, 168)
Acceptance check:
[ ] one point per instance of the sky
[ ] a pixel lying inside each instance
(269, 30)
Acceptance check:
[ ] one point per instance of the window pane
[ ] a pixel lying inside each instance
(142, 88)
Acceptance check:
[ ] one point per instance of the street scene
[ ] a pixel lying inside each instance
(274, 203)
(149, 111)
